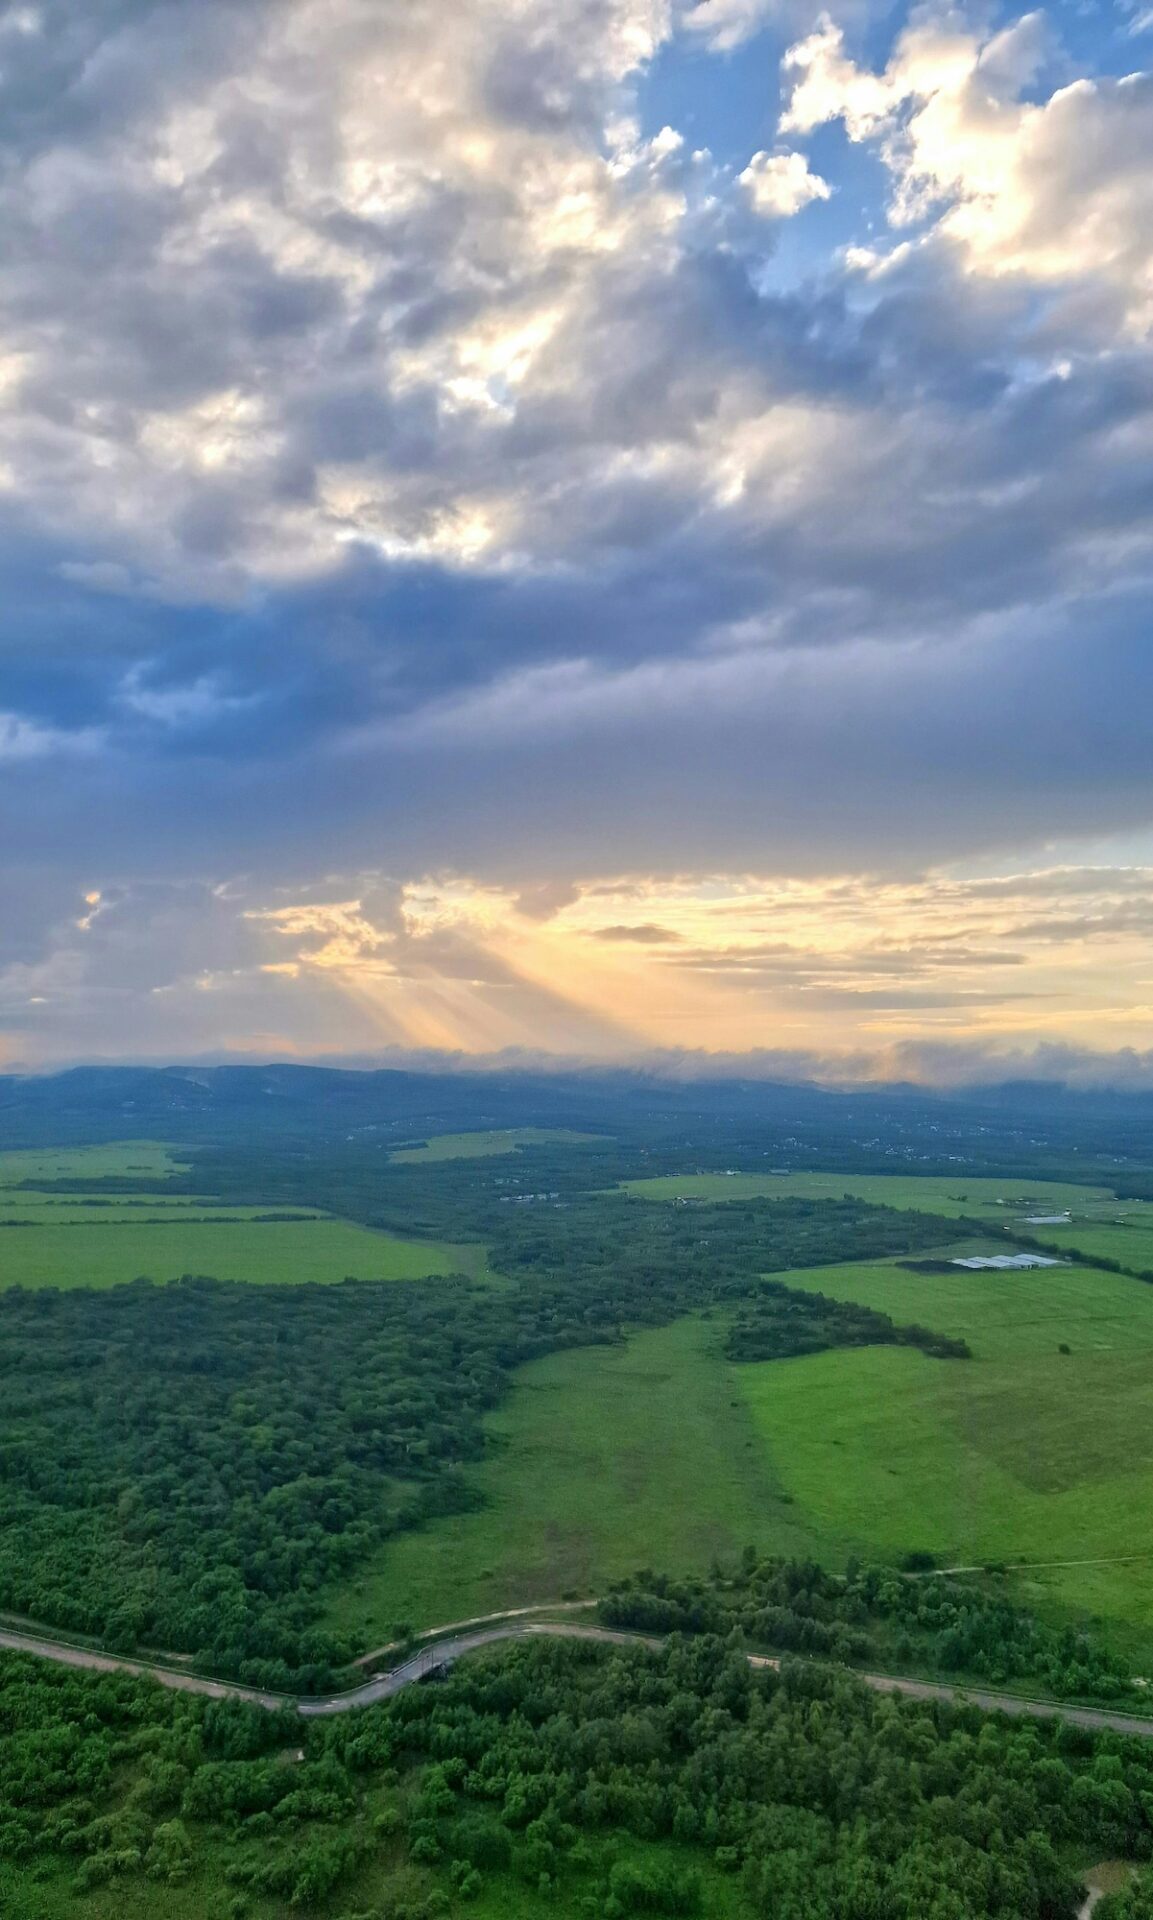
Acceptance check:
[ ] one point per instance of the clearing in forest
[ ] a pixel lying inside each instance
(482, 1146)
(604, 1459)
(1023, 1453)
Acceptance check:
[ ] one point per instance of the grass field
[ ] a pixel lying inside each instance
(481, 1146)
(1126, 1235)
(1100, 1224)
(91, 1240)
(124, 1159)
(228, 1243)
(608, 1458)
(1022, 1453)
(951, 1194)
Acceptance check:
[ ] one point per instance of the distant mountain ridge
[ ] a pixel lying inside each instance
(224, 1103)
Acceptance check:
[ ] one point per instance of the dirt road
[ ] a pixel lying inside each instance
(443, 1653)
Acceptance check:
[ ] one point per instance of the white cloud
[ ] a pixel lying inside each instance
(190, 704)
(292, 283)
(22, 739)
(726, 24)
(1054, 191)
(780, 184)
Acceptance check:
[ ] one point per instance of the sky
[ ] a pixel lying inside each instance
(610, 528)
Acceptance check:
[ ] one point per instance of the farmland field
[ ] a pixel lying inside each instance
(1004, 1200)
(228, 1243)
(606, 1458)
(485, 1145)
(83, 1239)
(1124, 1235)
(123, 1160)
(1100, 1224)
(1022, 1453)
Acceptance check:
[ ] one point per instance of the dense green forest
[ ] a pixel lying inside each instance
(605, 1781)
(900, 1621)
(185, 1467)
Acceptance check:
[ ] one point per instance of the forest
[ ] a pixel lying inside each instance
(187, 1466)
(900, 1620)
(599, 1781)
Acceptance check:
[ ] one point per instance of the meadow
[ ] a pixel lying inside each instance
(1003, 1200)
(1124, 1235)
(122, 1160)
(1025, 1453)
(604, 1459)
(663, 1451)
(228, 1243)
(87, 1239)
(486, 1145)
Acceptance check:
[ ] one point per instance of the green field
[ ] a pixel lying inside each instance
(1125, 1235)
(1100, 1223)
(1004, 1201)
(123, 1160)
(27, 1203)
(482, 1146)
(606, 1458)
(105, 1248)
(1022, 1453)
(79, 1239)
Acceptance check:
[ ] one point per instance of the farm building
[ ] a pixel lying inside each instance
(1004, 1262)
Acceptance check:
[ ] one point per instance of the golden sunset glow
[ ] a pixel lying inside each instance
(732, 963)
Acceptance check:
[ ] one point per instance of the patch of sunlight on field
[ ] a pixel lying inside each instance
(484, 1145)
(605, 1459)
(1022, 1453)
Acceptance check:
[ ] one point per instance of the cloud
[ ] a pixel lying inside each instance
(1052, 191)
(23, 740)
(726, 24)
(778, 185)
(202, 702)
(645, 934)
(413, 463)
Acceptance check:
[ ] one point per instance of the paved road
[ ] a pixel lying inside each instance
(382, 1686)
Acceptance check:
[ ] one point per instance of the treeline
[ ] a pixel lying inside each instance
(188, 1466)
(931, 1625)
(781, 1322)
(608, 1781)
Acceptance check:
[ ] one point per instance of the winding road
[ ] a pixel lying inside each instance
(443, 1653)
